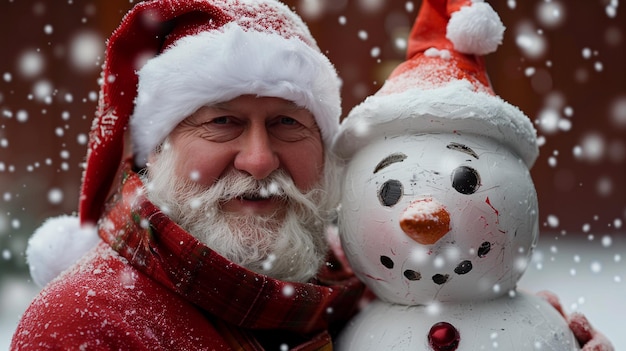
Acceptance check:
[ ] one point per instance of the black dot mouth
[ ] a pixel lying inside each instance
(462, 268)
(412, 275)
(387, 262)
(484, 249)
(440, 279)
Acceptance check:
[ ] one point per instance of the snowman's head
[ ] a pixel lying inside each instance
(438, 203)
(438, 217)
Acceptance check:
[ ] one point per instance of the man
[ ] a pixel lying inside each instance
(213, 229)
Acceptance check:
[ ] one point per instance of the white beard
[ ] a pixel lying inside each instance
(290, 245)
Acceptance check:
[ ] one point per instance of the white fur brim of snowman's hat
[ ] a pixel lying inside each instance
(454, 108)
(170, 57)
(443, 86)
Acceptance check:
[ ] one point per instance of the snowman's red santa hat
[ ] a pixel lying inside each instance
(442, 87)
(170, 57)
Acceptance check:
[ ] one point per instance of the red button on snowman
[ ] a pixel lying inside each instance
(439, 212)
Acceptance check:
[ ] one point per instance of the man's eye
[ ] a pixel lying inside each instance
(288, 121)
(220, 120)
(221, 129)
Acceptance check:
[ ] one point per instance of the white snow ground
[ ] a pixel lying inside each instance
(15, 295)
(588, 276)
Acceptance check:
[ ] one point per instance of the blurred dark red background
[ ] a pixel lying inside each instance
(575, 85)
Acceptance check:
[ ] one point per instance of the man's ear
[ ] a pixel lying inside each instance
(155, 153)
(152, 156)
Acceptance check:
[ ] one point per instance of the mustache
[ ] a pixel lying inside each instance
(237, 185)
(175, 192)
(240, 185)
(278, 185)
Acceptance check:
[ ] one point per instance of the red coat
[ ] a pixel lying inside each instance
(157, 288)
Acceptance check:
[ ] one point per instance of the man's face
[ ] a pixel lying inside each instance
(254, 135)
(248, 179)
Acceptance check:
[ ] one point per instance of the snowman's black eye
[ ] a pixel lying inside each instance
(390, 193)
(465, 180)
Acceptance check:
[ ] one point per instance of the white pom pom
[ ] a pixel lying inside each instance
(475, 29)
(56, 245)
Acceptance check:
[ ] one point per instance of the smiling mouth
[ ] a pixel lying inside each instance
(248, 196)
(265, 192)
(253, 198)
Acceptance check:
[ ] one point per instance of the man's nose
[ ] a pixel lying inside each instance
(257, 155)
(425, 221)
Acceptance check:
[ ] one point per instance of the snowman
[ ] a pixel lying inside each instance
(439, 212)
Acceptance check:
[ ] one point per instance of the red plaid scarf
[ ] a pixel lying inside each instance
(239, 300)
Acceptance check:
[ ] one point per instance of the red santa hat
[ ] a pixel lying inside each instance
(442, 87)
(170, 57)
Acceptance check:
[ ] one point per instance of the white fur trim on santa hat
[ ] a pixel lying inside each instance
(475, 29)
(453, 108)
(57, 245)
(220, 65)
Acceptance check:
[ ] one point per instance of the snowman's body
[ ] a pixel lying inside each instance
(441, 226)
(522, 322)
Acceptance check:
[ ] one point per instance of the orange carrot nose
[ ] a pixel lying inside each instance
(425, 221)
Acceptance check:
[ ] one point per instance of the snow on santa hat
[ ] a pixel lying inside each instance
(442, 87)
(170, 57)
